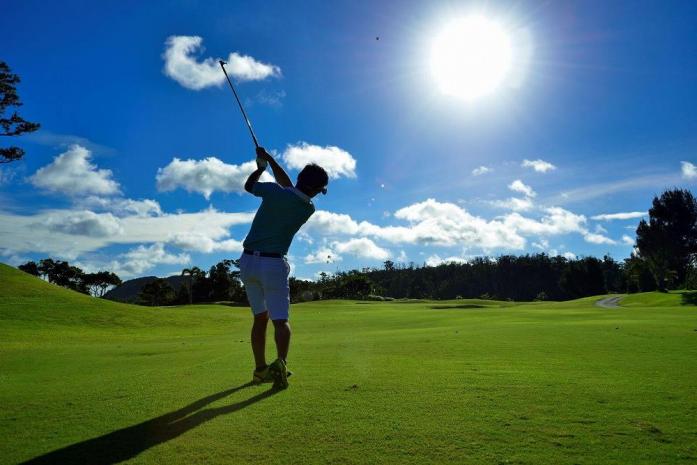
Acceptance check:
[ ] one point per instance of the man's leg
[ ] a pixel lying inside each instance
(259, 339)
(282, 336)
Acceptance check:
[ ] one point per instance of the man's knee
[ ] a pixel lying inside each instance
(262, 317)
(281, 323)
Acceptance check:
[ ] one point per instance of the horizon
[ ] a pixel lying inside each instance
(139, 164)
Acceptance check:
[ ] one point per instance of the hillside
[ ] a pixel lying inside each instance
(33, 301)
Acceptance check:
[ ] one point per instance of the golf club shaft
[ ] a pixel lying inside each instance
(249, 125)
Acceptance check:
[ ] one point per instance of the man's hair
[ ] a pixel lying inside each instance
(313, 175)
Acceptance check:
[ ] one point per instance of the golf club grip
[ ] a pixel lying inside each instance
(237, 98)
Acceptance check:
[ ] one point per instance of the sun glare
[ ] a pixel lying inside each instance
(471, 57)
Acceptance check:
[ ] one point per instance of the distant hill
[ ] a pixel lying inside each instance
(129, 290)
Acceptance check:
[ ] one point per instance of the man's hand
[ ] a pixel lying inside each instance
(278, 172)
(264, 155)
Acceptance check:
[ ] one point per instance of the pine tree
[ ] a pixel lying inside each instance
(11, 125)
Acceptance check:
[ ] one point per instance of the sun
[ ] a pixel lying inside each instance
(471, 57)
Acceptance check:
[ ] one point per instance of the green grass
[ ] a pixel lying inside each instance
(96, 382)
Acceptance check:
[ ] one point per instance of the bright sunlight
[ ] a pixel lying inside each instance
(471, 57)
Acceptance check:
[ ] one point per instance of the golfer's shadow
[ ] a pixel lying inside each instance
(126, 443)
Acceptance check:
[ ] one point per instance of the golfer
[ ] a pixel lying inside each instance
(263, 265)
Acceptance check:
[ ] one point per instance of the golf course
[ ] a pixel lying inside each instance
(91, 381)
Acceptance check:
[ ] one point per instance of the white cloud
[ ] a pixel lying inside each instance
(538, 165)
(206, 176)
(72, 173)
(145, 207)
(481, 170)
(519, 186)
(689, 170)
(627, 240)
(569, 255)
(445, 224)
(618, 216)
(514, 203)
(556, 221)
(435, 260)
(362, 248)
(181, 65)
(335, 161)
(599, 229)
(328, 223)
(83, 223)
(598, 239)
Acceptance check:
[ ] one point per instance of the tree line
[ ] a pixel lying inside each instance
(663, 259)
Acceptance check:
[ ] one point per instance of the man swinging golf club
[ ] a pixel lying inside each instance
(263, 265)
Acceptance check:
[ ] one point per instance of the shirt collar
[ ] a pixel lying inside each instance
(301, 194)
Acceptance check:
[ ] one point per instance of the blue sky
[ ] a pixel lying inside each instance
(605, 95)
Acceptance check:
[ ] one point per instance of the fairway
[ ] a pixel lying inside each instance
(95, 382)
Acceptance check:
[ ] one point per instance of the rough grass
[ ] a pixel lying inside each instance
(95, 382)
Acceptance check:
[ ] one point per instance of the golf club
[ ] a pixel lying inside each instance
(246, 119)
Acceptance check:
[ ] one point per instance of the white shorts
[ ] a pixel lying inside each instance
(266, 283)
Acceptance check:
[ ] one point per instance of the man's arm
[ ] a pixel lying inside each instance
(278, 172)
(252, 179)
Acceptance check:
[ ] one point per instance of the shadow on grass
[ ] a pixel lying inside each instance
(126, 443)
(689, 298)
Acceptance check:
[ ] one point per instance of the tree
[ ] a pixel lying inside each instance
(11, 125)
(157, 292)
(637, 275)
(31, 268)
(183, 296)
(190, 273)
(98, 283)
(65, 275)
(583, 277)
(224, 283)
(200, 285)
(668, 242)
(45, 268)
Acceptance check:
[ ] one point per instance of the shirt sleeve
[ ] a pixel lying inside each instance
(263, 189)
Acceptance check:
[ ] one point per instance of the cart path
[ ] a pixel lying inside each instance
(609, 302)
